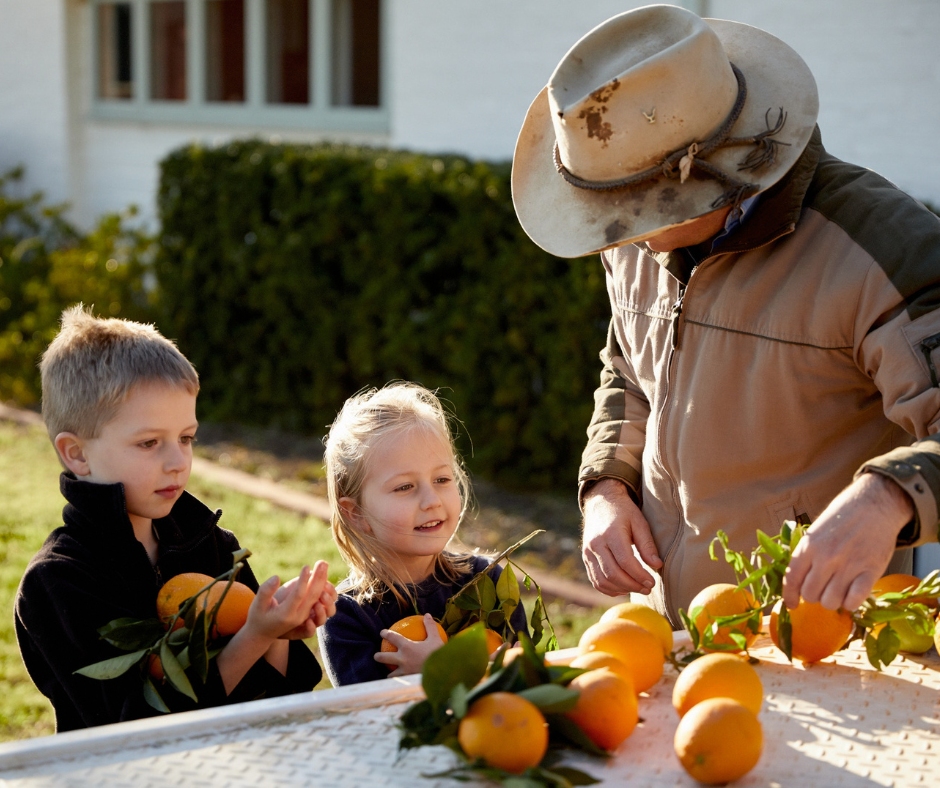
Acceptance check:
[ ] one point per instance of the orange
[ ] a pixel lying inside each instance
(506, 731)
(493, 641)
(155, 667)
(718, 740)
(637, 648)
(900, 582)
(607, 707)
(718, 676)
(936, 635)
(601, 659)
(177, 590)
(646, 617)
(723, 599)
(232, 614)
(817, 632)
(411, 627)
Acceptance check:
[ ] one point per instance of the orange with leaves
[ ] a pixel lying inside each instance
(505, 730)
(232, 613)
(723, 599)
(817, 632)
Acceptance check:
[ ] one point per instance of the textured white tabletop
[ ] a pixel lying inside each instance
(836, 723)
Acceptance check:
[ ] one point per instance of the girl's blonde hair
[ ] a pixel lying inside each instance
(368, 417)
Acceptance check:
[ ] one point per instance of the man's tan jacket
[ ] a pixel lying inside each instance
(751, 388)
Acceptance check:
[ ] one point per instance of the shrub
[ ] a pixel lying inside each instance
(46, 265)
(294, 275)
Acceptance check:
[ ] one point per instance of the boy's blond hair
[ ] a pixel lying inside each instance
(370, 416)
(92, 365)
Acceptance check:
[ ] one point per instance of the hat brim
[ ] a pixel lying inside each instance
(568, 221)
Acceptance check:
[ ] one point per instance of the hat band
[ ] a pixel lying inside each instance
(680, 162)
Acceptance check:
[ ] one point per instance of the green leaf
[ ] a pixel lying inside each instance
(571, 776)
(466, 601)
(174, 672)
(458, 701)
(496, 619)
(564, 730)
(773, 549)
(889, 643)
(551, 697)
(461, 660)
(535, 620)
(785, 631)
(198, 651)
(507, 587)
(871, 648)
(487, 593)
(112, 668)
(153, 697)
(132, 634)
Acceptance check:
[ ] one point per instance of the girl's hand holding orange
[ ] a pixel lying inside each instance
(410, 654)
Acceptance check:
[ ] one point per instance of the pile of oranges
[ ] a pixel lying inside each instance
(717, 696)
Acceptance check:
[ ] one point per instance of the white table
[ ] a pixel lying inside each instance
(836, 723)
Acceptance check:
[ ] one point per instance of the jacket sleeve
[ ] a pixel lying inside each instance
(617, 431)
(57, 612)
(348, 642)
(899, 347)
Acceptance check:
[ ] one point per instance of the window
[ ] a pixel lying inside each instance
(114, 51)
(168, 50)
(225, 50)
(313, 64)
(288, 51)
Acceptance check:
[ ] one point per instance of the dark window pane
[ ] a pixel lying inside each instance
(356, 53)
(114, 51)
(225, 50)
(168, 50)
(288, 51)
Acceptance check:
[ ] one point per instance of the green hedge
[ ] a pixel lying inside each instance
(294, 275)
(46, 265)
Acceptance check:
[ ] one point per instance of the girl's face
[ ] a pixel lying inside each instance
(410, 501)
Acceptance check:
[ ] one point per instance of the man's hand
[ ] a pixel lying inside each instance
(849, 546)
(613, 527)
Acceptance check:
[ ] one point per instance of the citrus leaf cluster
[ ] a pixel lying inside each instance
(184, 652)
(762, 574)
(493, 603)
(455, 676)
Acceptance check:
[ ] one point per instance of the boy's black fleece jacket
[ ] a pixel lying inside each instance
(93, 570)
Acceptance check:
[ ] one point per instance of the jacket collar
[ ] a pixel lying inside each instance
(775, 215)
(104, 508)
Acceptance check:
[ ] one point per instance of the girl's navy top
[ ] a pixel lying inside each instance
(350, 639)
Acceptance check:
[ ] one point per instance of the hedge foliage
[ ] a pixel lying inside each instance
(292, 276)
(46, 265)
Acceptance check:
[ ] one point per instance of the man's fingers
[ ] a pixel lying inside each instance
(795, 576)
(858, 592)
(608, 577)
(643, 539)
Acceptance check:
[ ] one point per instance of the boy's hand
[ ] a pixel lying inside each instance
(411, 654)
(284, 611)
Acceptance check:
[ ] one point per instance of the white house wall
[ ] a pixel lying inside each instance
(459, 75)
(33, 112)
(877, 65)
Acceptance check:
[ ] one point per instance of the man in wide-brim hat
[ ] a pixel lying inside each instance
(774, 346)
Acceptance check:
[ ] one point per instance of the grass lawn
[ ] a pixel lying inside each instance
(281, 542)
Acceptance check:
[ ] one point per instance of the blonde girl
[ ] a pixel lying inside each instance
(398, 492)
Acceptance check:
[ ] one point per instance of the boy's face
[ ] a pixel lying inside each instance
(147, 447)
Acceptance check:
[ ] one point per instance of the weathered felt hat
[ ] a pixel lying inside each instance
(652, 119)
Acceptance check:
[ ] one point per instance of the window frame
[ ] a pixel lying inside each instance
(318, 115)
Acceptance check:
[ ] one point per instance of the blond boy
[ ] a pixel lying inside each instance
(119, 403)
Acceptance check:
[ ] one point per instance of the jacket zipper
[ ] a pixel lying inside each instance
(666, 401)
(676, 320)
